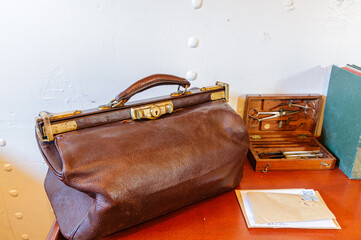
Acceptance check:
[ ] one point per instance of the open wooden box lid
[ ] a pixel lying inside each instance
(297, 121)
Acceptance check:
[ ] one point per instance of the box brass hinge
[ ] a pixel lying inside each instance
(256, 136)
(302, 136)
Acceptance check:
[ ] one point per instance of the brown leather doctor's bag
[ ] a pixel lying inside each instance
(125, 163)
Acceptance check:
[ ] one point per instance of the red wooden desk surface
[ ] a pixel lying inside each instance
(221, 218)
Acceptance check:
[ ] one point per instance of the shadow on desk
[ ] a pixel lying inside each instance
(220, 217)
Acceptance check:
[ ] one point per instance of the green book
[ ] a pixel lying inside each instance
(341, 130)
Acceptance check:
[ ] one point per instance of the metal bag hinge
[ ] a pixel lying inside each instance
(214, 87)
(226, 89)
(180, 93)
(54, 116)
(151, 111)
(256, 136)
(46, 131)
(64, 127)
(218, 95)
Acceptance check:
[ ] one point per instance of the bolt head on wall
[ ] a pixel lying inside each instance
(14, 193)
(2, 142)
(19, 215)
(191, 75)
(193, 42)
(7, 167)
(196, 4)
(290, 5)
(25, 236)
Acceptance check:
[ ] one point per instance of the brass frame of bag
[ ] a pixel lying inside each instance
(49, 125)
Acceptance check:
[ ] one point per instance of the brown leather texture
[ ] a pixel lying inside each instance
(149, 82)
(107, 178)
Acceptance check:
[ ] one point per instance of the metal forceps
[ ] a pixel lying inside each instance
(254, 113)
(309, 106)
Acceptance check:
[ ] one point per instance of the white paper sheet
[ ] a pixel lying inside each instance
(317, 224)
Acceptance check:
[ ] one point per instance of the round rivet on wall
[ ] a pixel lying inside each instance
(2, 142)
(191, 75)
(196, 4)
(290, 5)
(193, 42)
(8, 167)
(25, 236)
(264, 37)
(19, 215)
(14, 193)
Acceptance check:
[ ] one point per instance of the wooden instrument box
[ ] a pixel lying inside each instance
(281, 130)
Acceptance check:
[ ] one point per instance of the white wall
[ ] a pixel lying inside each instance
(66, 55)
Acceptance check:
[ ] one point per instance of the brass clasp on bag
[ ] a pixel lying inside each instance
(151, 111)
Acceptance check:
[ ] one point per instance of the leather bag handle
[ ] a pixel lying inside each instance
(146, 83)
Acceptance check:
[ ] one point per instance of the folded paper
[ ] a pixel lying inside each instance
(279, 207)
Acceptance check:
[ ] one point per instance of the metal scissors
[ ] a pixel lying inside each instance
(309, 106)
(254, 120)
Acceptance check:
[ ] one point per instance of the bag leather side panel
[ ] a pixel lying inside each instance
(65, 200)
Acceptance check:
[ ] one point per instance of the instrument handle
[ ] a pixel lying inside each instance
(253, 112)
(146, 83)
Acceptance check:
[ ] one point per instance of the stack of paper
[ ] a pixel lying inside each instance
(285, 208)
